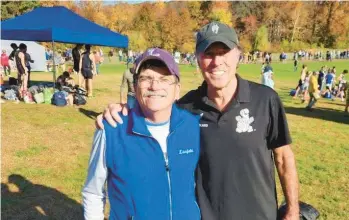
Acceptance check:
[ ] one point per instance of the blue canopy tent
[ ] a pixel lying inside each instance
(59, 24)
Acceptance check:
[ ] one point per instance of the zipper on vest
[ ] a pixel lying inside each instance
(167, 166)
(196, 204)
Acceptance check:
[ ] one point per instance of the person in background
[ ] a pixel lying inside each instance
(101, 55)
(301, 80)
(295, 65)
(110, 54)
(327, 93)
(5, 63)
(88, 68)
(320, 78)
(347, 100)
(330, 79)
(197, 73)
(69, 54)
(253, 56)
(59, 62)
(22, 69)
(267, 57)
(334, 71)
(127, 80)
(341, 78)
(267, 76)
(305, 86)
(76, 60)
(28, 60)
(1, 84)
(97, 61)
(14, 51)
(129, 57)
(63, 81)
(341, 85)
(48, 56)
(120, 55)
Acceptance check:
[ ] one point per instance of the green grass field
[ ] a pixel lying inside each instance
(45, 149)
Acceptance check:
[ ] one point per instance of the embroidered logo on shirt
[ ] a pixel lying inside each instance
(186, 151)
(203, 125)
(215, 28)
(244, 121)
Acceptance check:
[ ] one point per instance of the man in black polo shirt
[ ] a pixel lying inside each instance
(244, 132)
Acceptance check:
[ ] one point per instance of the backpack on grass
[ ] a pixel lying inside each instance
(79, 99)
(39, 98)
(47, 95)
(58, 99)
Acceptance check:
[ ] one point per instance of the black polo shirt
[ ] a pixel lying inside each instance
(235, 178)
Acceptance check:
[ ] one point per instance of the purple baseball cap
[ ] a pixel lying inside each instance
(158, 54)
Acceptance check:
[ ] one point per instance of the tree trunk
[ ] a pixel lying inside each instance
(295, 24)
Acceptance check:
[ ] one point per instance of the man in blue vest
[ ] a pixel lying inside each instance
(149, 161)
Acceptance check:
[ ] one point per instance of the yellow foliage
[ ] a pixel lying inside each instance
(188, 47)
(245, 44)
(220, 11)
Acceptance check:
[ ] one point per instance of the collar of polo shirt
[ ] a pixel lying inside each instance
(242, 95)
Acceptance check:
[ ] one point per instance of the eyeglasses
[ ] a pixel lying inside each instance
(164, 82)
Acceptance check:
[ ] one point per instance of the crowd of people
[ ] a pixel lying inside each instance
(263, 57)
(85, 64)
(322, 83)
(256, 57)
(329, 55)
(22, 60)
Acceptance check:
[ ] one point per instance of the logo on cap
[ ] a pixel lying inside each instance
(151, 53)
(215, 28)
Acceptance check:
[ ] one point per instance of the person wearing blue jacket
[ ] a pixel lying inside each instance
(148, 163)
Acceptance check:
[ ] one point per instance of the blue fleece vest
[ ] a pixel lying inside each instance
(140, 184)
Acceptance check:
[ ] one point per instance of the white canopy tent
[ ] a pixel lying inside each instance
(36, 51)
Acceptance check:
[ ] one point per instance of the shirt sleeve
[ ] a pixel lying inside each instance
(278, 133)
(93, 192)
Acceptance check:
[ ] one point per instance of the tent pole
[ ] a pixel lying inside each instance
(54, 64)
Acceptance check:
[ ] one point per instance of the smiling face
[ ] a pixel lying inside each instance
(156, 89)
(218, 65)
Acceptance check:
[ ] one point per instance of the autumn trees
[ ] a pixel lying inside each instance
(269, 25)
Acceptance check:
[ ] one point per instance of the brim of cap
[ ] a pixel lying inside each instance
(203, 45)
(154, 58)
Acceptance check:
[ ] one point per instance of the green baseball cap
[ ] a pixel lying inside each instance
(215, 32)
